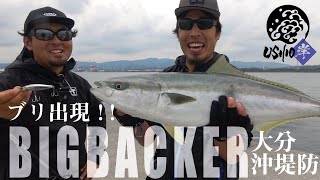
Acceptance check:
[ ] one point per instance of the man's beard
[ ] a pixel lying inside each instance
(58, 64)
(196, 61)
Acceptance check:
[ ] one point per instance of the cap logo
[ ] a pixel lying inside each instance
(50, 14)
(192, 2)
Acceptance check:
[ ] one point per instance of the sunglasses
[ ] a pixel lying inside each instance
(202, 23)
(47, 34)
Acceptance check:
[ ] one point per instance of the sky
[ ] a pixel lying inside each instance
(138, 29)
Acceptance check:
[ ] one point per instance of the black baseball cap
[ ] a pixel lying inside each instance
(46, 15)
(209, 6)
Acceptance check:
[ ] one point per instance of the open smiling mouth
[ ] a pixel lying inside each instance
(196, 46)
(56, 51)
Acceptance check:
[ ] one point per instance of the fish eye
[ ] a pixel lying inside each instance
(120, 86)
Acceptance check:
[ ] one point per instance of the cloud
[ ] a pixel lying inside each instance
(124, 30)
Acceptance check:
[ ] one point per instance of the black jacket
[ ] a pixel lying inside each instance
(25, 70)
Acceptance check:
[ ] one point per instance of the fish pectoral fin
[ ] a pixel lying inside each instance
(176, 99)
(175, 133)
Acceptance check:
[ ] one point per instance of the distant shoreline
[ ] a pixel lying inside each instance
(285, 71)
(249, 71)
(245, 70)
(155, 65)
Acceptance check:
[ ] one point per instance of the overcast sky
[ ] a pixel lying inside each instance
(137, 29)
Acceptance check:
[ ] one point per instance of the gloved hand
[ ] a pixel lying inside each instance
(225, 113)
(127, 120)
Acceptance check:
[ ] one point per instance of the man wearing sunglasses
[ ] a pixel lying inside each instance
(198, 29)
(44, 59)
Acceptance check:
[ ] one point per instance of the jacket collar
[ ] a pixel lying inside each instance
(181, 63)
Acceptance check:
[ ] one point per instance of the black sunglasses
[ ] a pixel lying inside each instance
(47, 34)
(202, 23)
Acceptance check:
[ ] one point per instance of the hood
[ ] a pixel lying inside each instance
(181, 63)
(25, 61)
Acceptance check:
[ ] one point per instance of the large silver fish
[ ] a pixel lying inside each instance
(184, 99)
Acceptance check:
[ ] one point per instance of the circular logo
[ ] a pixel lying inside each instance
(287, 23)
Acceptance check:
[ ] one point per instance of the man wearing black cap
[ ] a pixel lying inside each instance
(198, 29)
(44, 59)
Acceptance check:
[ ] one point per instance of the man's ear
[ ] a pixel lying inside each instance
(27, 42)
(218, 34)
